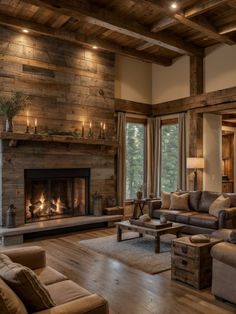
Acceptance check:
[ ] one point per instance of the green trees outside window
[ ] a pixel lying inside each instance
(135, 158)
(169, 157)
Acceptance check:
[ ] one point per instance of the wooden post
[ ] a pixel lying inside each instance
(196, 75)
(195, 119)
(195, 145)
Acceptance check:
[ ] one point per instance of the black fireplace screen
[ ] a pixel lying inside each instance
(56, 193)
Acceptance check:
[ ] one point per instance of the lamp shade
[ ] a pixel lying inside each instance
(195, 163)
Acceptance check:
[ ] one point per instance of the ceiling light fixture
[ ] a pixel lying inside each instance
(25, 30)
(95, 47)
(174, 6)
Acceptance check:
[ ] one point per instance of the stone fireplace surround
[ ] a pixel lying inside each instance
(34, 155)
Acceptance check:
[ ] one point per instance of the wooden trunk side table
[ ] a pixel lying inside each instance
(191, 263)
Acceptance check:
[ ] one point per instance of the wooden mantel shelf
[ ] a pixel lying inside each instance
(15, 137)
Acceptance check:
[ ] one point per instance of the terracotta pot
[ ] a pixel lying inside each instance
(139, 195)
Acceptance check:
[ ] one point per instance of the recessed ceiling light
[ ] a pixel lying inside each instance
(173, 6)
(25, 30)
(95, 47)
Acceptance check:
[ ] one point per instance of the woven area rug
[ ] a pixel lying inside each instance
(137, 253)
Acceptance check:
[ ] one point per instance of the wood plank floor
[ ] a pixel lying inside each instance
(129, 291)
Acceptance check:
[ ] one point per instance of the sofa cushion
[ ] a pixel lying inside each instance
(218, 205)
(66, 291)
(165, 200)
(207, 198)
(179, 202)
(25, 284)
(170, 214)
(9, 301)
(204, 220)
(184, 217)
(48, 275)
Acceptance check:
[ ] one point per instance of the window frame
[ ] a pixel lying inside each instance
(143, 121)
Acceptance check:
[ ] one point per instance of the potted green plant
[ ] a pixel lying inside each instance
(11, 106)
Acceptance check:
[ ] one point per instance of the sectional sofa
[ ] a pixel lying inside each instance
(197, 219)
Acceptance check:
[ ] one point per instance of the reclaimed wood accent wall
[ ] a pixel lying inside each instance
(64, 82)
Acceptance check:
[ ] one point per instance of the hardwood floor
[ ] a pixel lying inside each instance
(129, 291)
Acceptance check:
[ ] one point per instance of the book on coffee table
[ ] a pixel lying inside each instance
(153, 224)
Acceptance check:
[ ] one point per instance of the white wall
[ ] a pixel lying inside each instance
(142, 82)
(220, 67)
(212, 152)
(133, 80)
(169, 83)
(227, 128)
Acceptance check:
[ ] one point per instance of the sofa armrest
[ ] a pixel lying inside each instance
(227, 218)
(222, 234)
(225, 253)
(92, 304)
(152, 205)
(32, 256)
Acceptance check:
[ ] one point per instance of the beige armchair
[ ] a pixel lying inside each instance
(224, 267)
(69, 297)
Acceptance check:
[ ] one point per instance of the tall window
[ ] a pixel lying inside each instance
(135, 158)
(169, 156)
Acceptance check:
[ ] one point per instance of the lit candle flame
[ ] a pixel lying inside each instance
(27, 118)
(36, 122)
(104, 126)
(90, 125)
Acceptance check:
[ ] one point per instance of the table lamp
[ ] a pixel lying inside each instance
(195, 163)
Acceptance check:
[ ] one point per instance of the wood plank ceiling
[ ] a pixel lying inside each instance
(149, 30)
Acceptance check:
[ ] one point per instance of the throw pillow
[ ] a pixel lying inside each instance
(219, 204)
(179, 202)
(25, 283)
(165, 200)
(9, 301)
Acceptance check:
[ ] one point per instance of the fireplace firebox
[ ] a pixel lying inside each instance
(56, 193)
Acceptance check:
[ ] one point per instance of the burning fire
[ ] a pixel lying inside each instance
(42, 200)
(58, 202)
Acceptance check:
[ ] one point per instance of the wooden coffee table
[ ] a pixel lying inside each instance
(156, 233)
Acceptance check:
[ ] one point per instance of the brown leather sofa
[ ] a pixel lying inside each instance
(69, 297)
(224, 267)
(197, 219)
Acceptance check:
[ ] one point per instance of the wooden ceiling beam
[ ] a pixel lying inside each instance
(229, 28)
(144, 46)
(104, 18)
(203, 7)
(82, 39)
(229, 116)
(195, 10)
(197, 23)
(224, 99)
